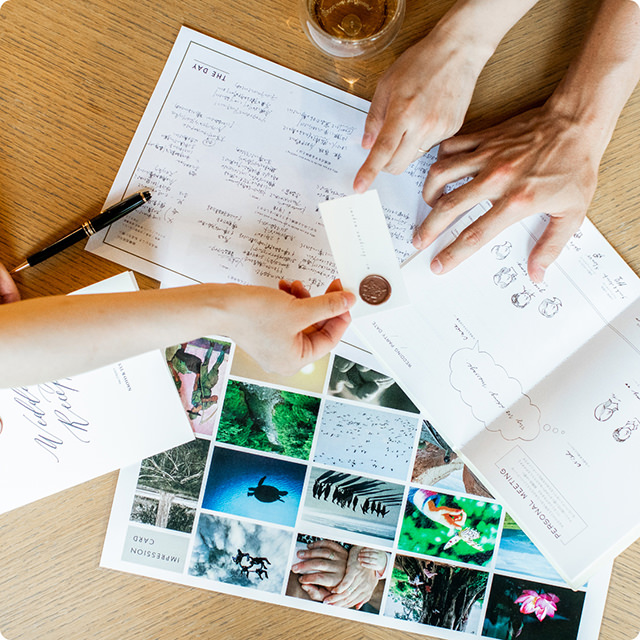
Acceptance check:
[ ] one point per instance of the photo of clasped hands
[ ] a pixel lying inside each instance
(545, 160)
(325, 571)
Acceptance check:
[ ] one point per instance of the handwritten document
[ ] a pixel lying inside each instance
(238, 152)
(56, 435)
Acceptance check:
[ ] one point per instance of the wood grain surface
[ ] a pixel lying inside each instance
(75, 78)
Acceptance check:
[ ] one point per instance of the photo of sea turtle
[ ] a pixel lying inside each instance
(266, 492)
(255, 486)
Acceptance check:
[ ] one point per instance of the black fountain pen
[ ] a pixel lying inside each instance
(102, 220)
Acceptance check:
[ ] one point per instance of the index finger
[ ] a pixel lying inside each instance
(326, 544)
(383, 150)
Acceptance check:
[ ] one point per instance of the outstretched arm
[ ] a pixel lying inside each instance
(424, 96)
(52, 337)
(545, 160)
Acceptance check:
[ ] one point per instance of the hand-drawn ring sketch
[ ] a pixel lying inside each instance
(521, 299)
(501, 251)
(606, 409)
(624, 433)
(504, 277)
(549, 307)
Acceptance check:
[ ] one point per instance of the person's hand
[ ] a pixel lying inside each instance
(448, 516)
(373, 559)
(357, 586)
(455, 518)
(537, 162)
(8, 289)
(420, 100)
(285, 329)
(354, 380)
(322, 566)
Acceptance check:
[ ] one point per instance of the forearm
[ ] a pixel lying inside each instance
(52, 337)
(482, 23)
(282, 329)
(601, 78)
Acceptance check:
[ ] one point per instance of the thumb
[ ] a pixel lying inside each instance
(324, 307)
(550, 245)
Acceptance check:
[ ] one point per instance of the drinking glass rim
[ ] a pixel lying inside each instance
(356, 42)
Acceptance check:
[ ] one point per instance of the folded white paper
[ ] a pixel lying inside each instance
(59, 434)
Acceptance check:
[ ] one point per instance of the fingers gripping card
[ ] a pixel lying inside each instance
(364, 254)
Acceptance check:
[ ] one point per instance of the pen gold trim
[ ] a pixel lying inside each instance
(88, 228)
(20, 267)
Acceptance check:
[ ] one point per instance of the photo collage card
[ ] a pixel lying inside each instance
(329, 491)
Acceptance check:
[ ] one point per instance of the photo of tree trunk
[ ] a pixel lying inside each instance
(436, 594)
(268, 419)
(169, 485)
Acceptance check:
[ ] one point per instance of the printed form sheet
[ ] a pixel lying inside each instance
(239, 152)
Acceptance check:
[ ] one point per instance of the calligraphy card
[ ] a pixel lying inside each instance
(59, 434)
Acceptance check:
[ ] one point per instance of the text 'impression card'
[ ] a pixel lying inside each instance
(364, 254)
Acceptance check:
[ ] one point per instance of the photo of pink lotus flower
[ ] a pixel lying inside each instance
(541, 604)
(518, 608)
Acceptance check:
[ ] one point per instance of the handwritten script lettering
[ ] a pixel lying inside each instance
(48, 410)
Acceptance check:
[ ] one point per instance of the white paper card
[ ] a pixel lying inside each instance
(362, 247)
(59, 434)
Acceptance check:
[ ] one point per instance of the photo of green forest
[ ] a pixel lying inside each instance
(436, 594)
(268, 419)
(169, 485)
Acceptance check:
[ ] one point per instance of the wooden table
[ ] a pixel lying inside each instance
(76, 76)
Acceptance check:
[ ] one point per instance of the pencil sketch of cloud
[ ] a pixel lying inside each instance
(495, 398)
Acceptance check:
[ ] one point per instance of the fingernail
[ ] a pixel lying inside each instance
(436, 266)
(417, 242)
(359, 186)
(537, 273)
(302, 554)
(349, 299)
(367, 141)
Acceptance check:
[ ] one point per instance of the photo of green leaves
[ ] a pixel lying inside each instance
(268, 419)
